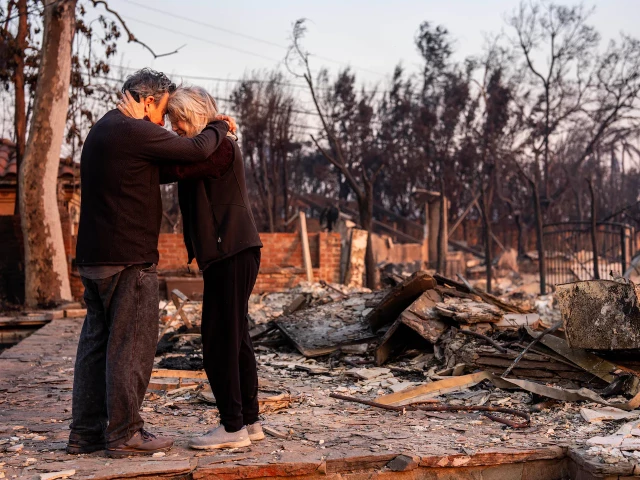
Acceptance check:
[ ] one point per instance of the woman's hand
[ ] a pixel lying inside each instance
(233, 126)
(130, 107)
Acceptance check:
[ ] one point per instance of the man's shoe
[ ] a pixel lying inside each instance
(142, 443)
(78, 444)
(255, 432)
(220, 438)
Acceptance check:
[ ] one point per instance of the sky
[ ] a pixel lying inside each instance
(227, 40)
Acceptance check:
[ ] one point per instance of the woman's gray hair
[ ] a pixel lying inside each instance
(148, 83)
(194, 106)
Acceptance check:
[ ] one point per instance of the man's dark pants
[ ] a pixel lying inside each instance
(227, 349)
(115, 354)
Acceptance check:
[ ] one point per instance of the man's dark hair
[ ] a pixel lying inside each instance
(146, 83)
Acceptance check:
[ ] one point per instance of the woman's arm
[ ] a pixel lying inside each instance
(165, 146)
(215, 166)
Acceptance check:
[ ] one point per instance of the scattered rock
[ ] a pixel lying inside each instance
(57, 475)
(403, 463)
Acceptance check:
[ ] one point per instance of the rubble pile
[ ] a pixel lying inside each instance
(267, 307)
(426, 339)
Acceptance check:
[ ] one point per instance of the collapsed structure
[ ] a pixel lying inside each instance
(435, 340)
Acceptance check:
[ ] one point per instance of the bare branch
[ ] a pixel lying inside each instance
(132, 37)
(8, 18)
(340, 166)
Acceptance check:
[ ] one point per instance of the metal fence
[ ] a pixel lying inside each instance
(569, 251)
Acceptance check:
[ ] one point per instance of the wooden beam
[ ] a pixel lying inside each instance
(495, 239)
(164, 373)
(466, 248)
(306, 254)
(464, 214)
(179, 299)
(386, 227)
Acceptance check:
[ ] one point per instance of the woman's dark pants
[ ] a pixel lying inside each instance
(227, 350)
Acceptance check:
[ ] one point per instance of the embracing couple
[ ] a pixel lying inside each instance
(125, 158)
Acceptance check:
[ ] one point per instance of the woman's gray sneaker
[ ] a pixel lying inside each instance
(220, 438)
(255, 432)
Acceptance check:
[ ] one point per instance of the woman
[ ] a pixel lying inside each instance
(220, 232)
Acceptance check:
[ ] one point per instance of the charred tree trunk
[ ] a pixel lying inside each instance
(579, 209)
(285, 189)
(594, 232)
(20, 117)
(365, 207)
(522, 235)
(46, 271)
(442, 233)
(487, 236)
(268, 194)
(547, 133)
(540, 237)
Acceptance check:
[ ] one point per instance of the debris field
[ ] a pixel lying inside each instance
(415, 371)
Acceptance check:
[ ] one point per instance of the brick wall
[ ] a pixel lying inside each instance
(173, 254)
(281, 267)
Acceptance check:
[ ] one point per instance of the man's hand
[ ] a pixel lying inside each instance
(233, 126)
(130, 107)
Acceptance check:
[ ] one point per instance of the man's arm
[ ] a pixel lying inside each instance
(215, 166)
(161, 145)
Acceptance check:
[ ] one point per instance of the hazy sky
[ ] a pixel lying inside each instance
(371, 36)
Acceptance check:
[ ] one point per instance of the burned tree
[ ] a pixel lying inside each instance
(405, 169)
(46, 275)
(572, 103)
(346, 120)
(13, 70)
(558, 87)
(41, 64)
(443, 100)
(495, 96)
(265, 110)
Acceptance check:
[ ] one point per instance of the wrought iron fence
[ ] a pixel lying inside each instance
(569, 251)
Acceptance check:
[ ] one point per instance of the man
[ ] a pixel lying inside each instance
(121, 212)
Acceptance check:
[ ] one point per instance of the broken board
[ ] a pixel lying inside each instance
(593, 364)
(487, 297)
(324, 329)
(399, 298)
(533, 365)
(429, 390)
(470, 312)
(513, 321)
(267, 404)
(420, 318)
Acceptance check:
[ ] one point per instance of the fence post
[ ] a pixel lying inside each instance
(594, 231)
(539, 233)
(623, 243)
(306, 254)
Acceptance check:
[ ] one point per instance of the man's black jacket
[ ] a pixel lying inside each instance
(121, 208)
